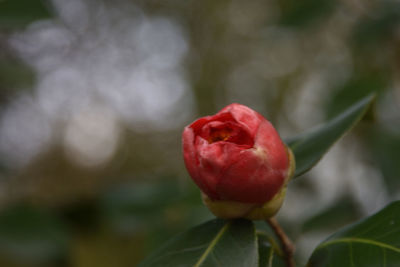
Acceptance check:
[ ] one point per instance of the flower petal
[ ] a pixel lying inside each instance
(213, 160)
(268, 139)
(245, 116)
(250, 179)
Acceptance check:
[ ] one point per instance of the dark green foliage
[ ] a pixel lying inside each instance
(215, 243)
(310, 146)
(268, 254)
(374, 241)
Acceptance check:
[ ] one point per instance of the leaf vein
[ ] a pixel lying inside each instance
(360, 240)
(212, 245)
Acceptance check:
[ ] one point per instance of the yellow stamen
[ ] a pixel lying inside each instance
(221, 135)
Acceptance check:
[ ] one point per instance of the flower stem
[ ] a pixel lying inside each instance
(286, 243)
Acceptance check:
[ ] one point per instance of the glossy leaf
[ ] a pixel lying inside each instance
(310, 146)
(375, 241)
(268, 254)
(214, 243)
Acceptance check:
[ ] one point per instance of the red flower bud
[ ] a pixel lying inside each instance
(239, 162)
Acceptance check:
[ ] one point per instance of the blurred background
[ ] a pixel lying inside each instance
(94, 95)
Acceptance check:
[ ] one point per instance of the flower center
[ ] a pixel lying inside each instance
(219, 135)
(216, 131)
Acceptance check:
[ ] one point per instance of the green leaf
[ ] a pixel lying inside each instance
(268, 256)
(309, 147)
(214, 243)
(374, 241)
(19, 13)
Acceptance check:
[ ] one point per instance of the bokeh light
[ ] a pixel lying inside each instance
(95, 94)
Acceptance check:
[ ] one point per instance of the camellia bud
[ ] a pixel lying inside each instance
(239, 162)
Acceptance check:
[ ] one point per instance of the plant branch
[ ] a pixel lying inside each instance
(286, 243)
